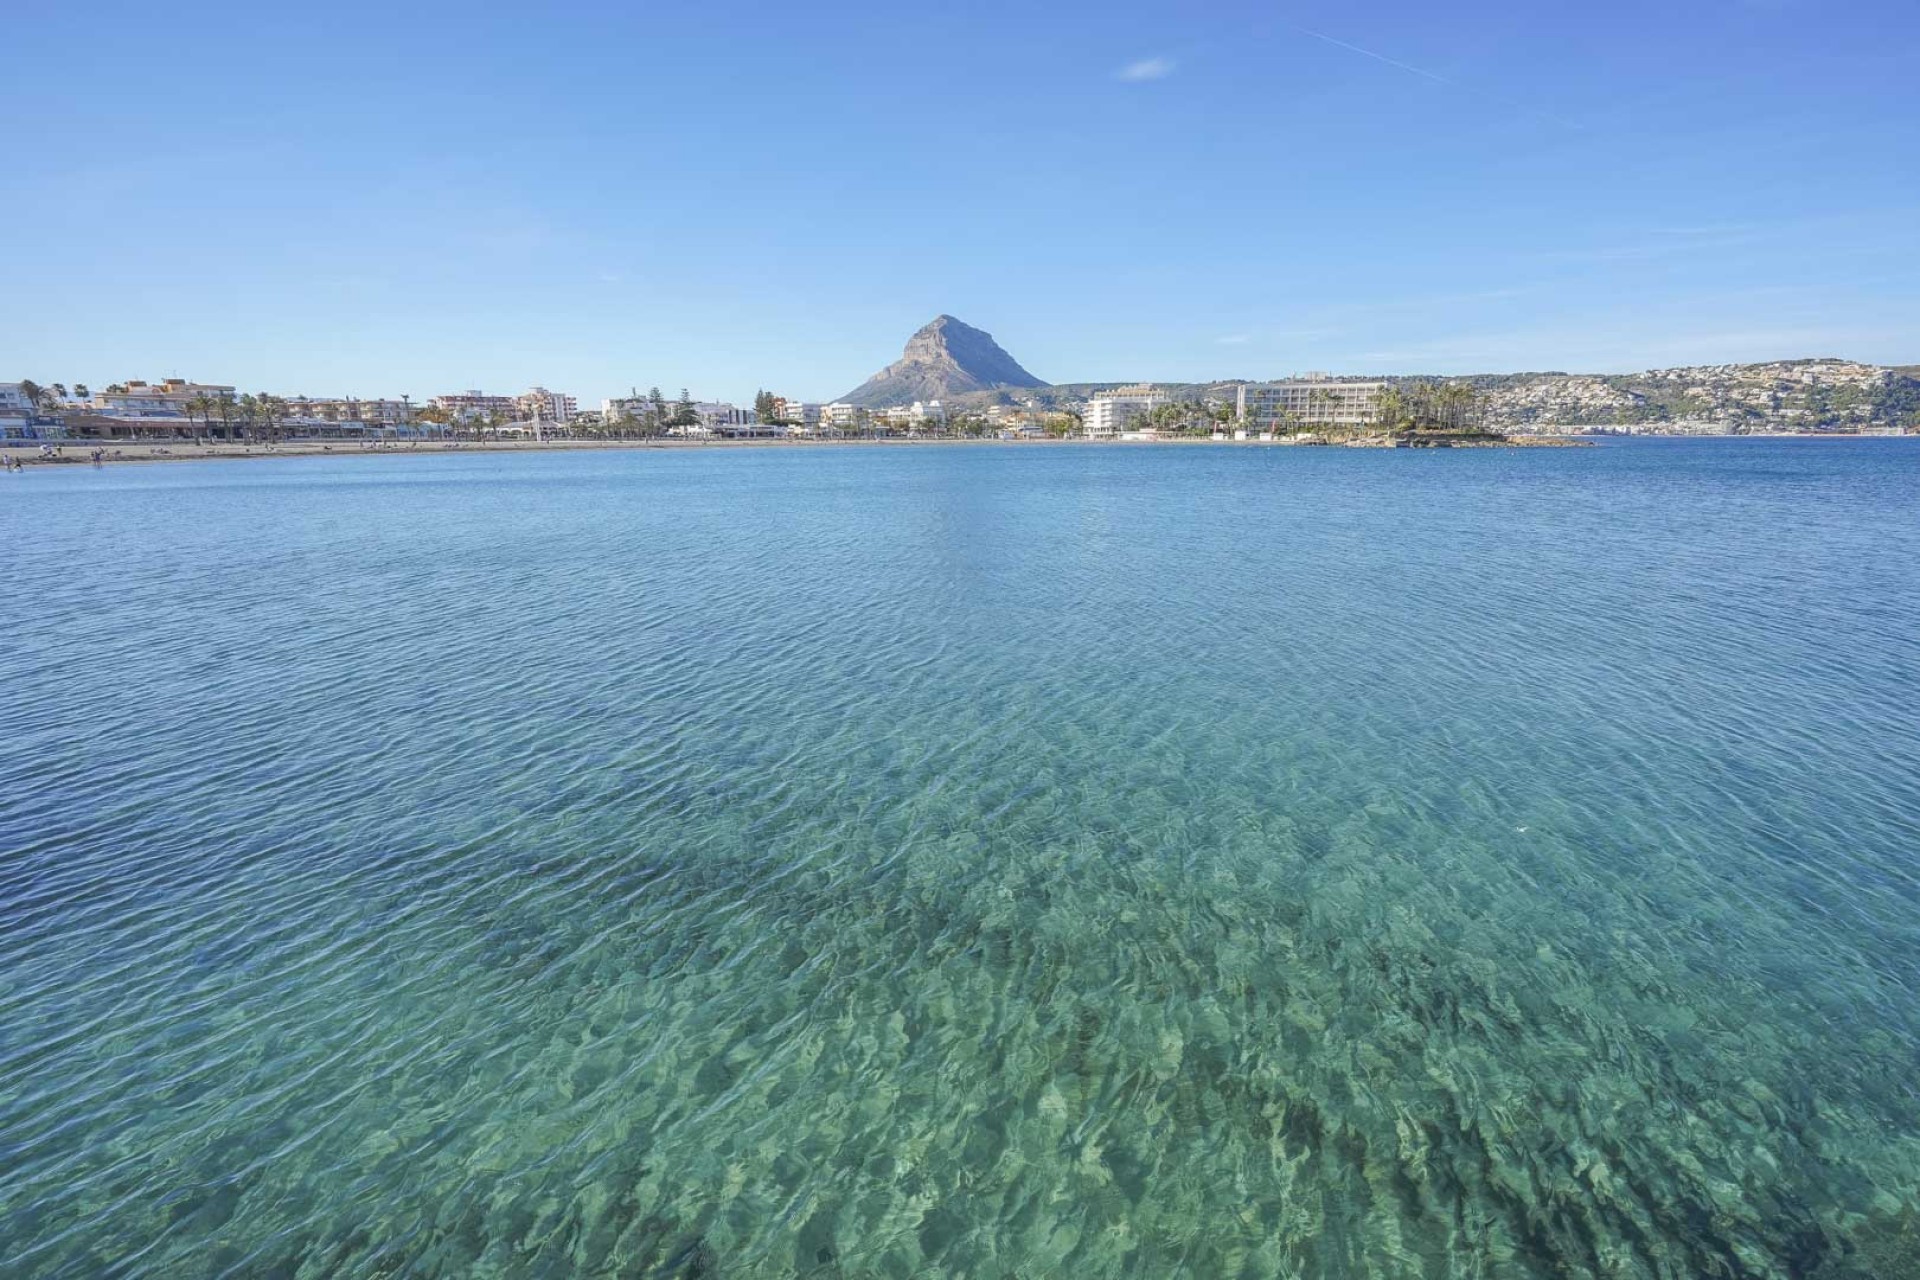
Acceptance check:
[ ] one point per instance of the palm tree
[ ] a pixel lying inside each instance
(1455, 400)
(196, 404)
(1317, 399)
(1390, 410)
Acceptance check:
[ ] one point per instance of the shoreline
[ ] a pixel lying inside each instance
(80, 452)
(69, 452)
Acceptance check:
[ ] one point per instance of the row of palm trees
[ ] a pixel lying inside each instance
(48, 398)
(1452, 407)
(260, 415)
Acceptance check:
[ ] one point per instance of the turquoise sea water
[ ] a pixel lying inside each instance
(971, 861)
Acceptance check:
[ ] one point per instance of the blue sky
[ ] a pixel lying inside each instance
(377, 199)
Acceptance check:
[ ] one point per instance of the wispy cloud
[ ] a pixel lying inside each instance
(1235, 340)
(1435, 76)
(1146, 69)
(1464, 87)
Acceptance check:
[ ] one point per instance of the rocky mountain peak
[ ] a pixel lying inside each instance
(945, 357)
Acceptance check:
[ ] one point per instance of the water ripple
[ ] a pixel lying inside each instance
(975, 861)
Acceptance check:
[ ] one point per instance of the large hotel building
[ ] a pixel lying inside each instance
(1109, 413)
(1311, 401)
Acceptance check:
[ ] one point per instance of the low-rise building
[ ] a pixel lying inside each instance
(714, 414)
(171, 398)
(376, 412)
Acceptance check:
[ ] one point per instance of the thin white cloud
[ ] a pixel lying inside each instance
(1434, 76)
(1235, 340)
(1146, 69)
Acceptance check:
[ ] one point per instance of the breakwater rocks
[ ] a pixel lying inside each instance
(1436, 441)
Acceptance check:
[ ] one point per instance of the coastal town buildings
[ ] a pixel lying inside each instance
(166, 399)
(706, 413)
(616, 408)
(841, 416)
(16, 411)
(718, 413)
(795, 412)
(714, 414)
(552, 406)
(1020, 419)
(918, 416)
(1825, 395)
(1109, 412)
(343, 409)
(472, 406)
(1311, 400)
(1817, 396)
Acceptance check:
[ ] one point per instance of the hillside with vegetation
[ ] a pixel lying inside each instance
(1784, 395)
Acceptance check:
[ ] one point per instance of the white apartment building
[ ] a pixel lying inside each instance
(466, 406)
(553, 406)
(793, 411)
(1313, 400)
(841, 416)
(14, 400)
(1109, 412)
(921, 413)
(715, 413)
(633, 406)
(706, 413)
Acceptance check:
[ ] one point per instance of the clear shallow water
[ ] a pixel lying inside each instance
(965, 862)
